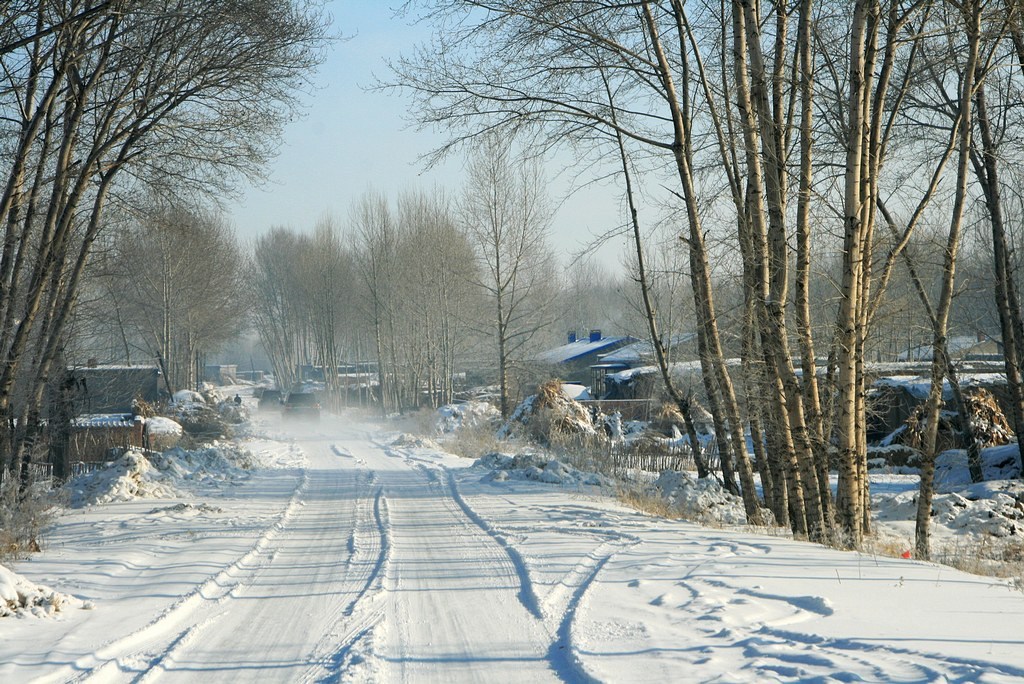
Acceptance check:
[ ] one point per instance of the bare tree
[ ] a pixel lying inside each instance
(185, 269)
(505, 212)
(377, 238)
(100, 99)
(437, 271)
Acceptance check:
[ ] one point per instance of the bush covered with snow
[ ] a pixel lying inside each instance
(24, 516)
(21, 598)
(702, 500)
(536, 467)
(471, 414)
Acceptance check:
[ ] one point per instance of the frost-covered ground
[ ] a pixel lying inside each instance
(350, 554)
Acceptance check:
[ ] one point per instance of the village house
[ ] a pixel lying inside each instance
(98, 407)
(573, 360)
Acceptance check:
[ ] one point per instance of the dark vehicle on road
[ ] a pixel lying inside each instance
(301, 406)
(270, 400)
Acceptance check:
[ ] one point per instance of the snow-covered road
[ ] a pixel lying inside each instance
(361, 558)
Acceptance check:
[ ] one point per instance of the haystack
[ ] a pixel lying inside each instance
(667, 417)
(550, 412)
(990, 425)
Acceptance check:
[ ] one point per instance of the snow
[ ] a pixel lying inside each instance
(575, 391)
(703, 500)
(643, 351)
(159, 425)
(917, 386)
(353, 553)
(455, 417)
(103, 420)
(185, 397)
(582, 347)
(21, 598)
(537, 467)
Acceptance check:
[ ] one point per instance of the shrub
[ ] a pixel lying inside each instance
(24, 516)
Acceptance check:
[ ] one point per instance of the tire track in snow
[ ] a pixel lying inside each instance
(562, 653)
(360, 556)
(340, 648)
(564, 662)
(527, 595)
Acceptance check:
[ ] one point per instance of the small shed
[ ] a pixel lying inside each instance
(112, 389)
(221, 374)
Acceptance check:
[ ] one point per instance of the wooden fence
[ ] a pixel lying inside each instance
(37, 472)
(656, 460)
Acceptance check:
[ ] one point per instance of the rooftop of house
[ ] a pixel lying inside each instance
(958, 345)
(641, 352)
(581, 348)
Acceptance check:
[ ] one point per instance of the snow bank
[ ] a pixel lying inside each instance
(128, 478)
(21, 598)
(163, 476)
(454, 417)
(703, 500)
(994, 509)
(537, 468)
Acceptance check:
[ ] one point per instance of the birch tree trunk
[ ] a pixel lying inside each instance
(971, 12)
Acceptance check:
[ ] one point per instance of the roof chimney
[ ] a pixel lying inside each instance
(572, 336)
(595, 335)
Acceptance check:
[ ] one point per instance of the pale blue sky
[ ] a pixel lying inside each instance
(352, 140)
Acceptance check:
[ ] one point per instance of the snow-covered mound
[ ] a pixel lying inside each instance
(162, 433)
(130, 477)
(160, 425)
(212, 464)
(455, 417)
(703, 500)
(998, 463)
(21, 598)
(166, 475)
(409, 441)
(183, 398)
(994, 509)
(537, 468)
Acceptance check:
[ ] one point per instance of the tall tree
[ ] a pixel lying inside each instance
(101, 98)
(506, 213)
(186, 295)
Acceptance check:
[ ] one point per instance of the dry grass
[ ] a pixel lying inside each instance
(23, 519)
(649, 503)
(982, 555)
(473, 441)
(986, 555)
